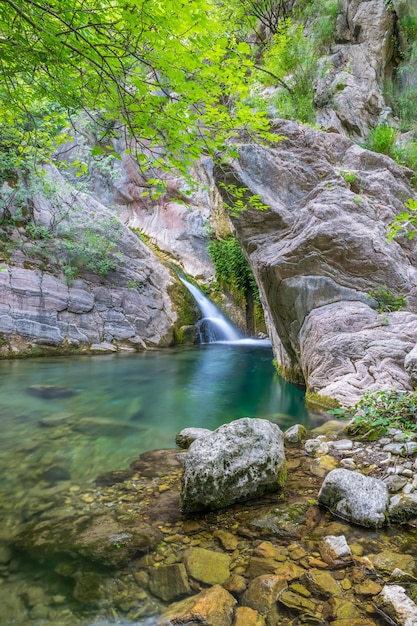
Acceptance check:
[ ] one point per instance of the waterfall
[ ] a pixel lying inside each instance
(213, 326)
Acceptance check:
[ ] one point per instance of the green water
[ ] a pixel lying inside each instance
(130, 404)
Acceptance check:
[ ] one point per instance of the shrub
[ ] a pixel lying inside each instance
(377, 411)
(382, 139)
(387, 300)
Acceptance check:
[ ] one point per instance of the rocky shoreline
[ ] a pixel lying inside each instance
(122, 552)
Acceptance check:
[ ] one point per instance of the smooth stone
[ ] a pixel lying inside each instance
(355, 497)
(321, 583)
(316, 447)
(341, 444)
(186, 436)
(207, 566)
(6, 554)
(368, 588)
(245, 616)
(294, 435)
(407, 448)
(50, 392)
(228, 540)
(169, 582)
(339, 608)
(100, 427)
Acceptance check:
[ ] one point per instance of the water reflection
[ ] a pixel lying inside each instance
(119, 407)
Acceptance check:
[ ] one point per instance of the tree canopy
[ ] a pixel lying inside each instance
(171, 73)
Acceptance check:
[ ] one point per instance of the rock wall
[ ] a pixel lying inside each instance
(132, 308)
(319, 251)
(349, 90)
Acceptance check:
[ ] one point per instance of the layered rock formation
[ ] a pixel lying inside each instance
(319, 252)
(130, 308)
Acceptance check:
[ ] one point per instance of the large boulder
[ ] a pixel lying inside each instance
(238, 461)
(355, 497)
(320, 251)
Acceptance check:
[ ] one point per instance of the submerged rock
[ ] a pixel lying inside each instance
(355, 497)
(238, 461)
(50, 392)
(98, 538)
(213, 606)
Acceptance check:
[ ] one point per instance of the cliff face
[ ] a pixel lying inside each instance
(319, 252)
(129, 309)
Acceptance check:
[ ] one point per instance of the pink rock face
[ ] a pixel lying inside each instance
(318, 253)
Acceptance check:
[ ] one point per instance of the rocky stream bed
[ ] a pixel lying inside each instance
(121, 551)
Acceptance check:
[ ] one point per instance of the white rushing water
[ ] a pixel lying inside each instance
(214, 327)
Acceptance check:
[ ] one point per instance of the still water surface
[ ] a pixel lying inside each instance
(115, 408)
(124, 405)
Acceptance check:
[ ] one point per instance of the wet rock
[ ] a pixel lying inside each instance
(282, 521)
(355, 497)
(88, 587)
(55, 473)
(387, 561)
(335, 551)
(99, 427)
(245, 616)
(6, 554)
(50, 392)
(236, 584)
(394, 602)
(228, 540)
(207, 566)
(238, 461)
(294, 435)
(213, 606)
(169, 582)
(186, 436)
(316, 447)
(403, 507)
(112, 478)
(338, 609)
(98, 538)
(296, 602)
(321, 583)
(368, 588)
(289, 571)
(262, 595)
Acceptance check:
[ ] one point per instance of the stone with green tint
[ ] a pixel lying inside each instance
(297, 602)
(207, 566)
(238, 461)
(321, 583)
(387, 561)
(169, 582)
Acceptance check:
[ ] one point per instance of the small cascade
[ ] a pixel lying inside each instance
(214, 326)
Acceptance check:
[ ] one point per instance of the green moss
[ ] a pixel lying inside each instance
(185, 307)
(317, 401)
(292, 375)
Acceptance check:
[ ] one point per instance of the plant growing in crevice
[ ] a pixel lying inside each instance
(387, 300)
